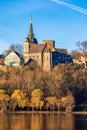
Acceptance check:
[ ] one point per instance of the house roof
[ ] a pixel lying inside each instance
(36, 48)
(65, 51)
(19, 55)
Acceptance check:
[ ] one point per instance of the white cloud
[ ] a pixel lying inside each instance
(74, 7)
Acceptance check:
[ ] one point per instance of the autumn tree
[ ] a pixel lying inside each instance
(36, 98)
(68, 102)
(58, 104)
(4, 99)
(18, 98)
(51, 102)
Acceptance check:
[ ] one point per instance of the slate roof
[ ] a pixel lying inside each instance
(36, 48)
(39, 48)
(20, 55)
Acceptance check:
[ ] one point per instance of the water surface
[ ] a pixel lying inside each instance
(43, 122)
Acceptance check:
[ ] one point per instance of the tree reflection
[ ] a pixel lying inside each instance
(36, 122)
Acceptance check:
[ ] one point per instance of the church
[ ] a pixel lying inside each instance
(45, 54)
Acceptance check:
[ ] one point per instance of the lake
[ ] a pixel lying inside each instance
(43, 122)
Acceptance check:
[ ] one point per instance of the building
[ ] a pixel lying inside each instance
(13, 59)
(80, 59)
(45, 54)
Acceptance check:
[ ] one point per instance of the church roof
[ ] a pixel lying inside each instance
(36, 48)
(61, 50)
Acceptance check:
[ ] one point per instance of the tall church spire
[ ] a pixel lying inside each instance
(31, 38)
(31, 28)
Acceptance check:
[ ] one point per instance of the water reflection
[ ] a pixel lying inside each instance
(41, 122)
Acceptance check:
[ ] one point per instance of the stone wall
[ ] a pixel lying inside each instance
(47, 61)
(35, 56)
(26, 46)
(50, 43)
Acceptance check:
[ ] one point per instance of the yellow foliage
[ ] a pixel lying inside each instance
(51, 100)
(4, 97)
(1, 91)
(36, 98)
(20, 98)
(64, 99)
(37, 93)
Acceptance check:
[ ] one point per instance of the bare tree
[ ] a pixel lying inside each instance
(12, 47)
(17, 47)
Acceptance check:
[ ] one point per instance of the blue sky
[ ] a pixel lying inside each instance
(64, 21)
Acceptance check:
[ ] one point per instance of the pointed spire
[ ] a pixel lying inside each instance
(31, 20)
(31, 27)
(30, 37)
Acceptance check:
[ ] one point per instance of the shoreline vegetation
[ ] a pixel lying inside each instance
(64, 88)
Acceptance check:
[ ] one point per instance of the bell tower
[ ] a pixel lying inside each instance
(30, 39)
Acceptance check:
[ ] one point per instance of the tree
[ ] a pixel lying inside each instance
(4, 98)
(68, 102)
(12, 47)
(16, 47)
(82, 48)
(18, 98)
(51, 101)
(58, 104)
(75, 54)
(36, 98)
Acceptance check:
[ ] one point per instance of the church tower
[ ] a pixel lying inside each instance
(30, 39)
(31, 35)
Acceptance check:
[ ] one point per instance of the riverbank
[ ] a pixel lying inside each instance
(48, 112)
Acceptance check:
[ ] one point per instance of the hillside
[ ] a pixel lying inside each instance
(61, 81)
